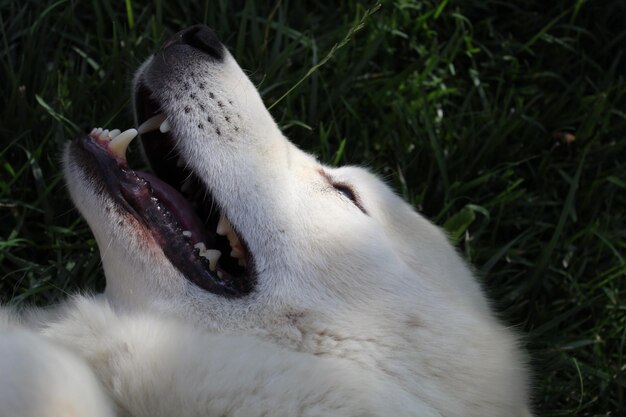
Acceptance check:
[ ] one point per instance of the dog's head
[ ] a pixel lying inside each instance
(236, 220)
(239, 230)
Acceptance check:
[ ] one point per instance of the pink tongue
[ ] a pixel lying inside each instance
(177, 205)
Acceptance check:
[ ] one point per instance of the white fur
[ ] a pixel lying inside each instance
(43, 379)
(354, 314)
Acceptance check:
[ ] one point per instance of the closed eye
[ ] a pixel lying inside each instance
(345, 190)
(348, 192)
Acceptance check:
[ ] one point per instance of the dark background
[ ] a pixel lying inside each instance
(503, 121)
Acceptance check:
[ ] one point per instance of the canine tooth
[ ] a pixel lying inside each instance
(212, 255)
(151, 124)
(223, 226)
(200, 246)
(165, 126)
(186, 233)
(113, 133)
(119, 145)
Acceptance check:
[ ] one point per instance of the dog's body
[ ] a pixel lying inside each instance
(349, 303)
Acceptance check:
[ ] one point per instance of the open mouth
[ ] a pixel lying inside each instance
(173, 204)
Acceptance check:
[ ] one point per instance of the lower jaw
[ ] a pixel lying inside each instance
(135, 195)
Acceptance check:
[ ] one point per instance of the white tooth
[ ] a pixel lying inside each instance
(220, 274)
(186, 233)
(151, 124)
(200, 246)
(165, 126)
(105, 133)
(223, 226)
(98, 131)
(119, 145)
(113, 133)
(233, 240)
(232, 236)
(212, 255)
(241, 260)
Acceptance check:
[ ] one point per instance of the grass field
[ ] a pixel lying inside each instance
(504, 122)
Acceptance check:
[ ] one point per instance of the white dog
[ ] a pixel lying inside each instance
(337, 299)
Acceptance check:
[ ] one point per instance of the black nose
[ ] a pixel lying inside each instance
(199, 37)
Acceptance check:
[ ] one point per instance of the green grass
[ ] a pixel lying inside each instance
(503, 121)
